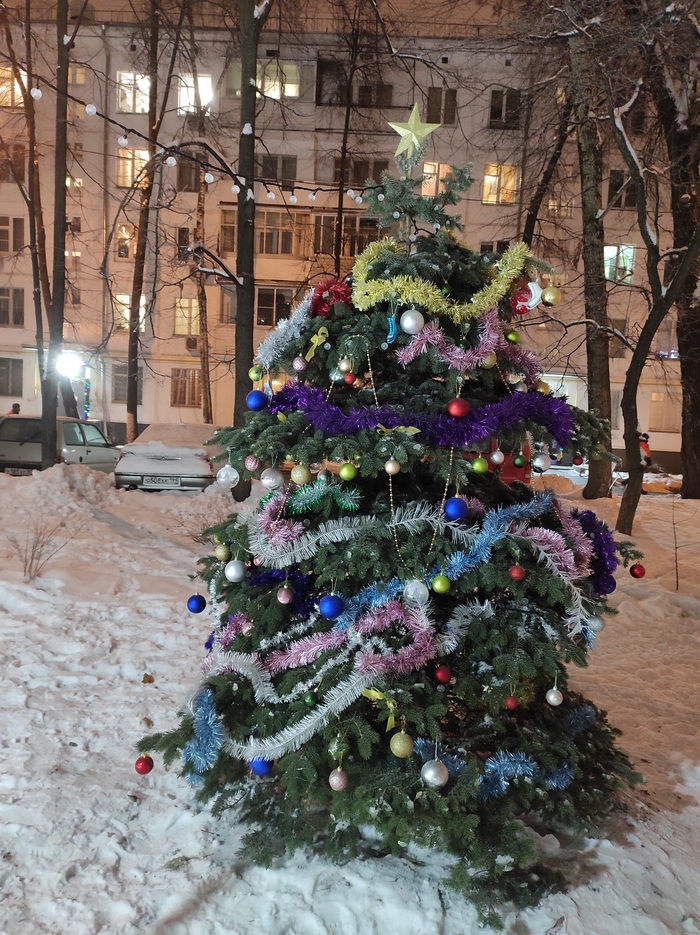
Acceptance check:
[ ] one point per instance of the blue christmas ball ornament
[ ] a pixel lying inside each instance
(331, 606)
(456, 509)
(256, 400)
(196, 604)
(261, 767)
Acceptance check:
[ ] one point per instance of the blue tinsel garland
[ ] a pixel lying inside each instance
(209, 735)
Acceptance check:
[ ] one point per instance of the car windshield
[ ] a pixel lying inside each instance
(20, 430)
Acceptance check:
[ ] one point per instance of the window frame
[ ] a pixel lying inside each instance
(499, 198)
(186, 99)
(504, 114)
(122, 367)
(15, 306)
(615, 252)
(278, 302)
(130, 163)
(139, 97)
(14, 91)
(121, 310)
(187, 321)
(15, 376)
(188, 381)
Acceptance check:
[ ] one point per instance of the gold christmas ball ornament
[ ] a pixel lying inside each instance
(401, 745)
(489, 361)
(222, 552)
(392, 466)
(300, 474)
(345, 365)
(542, 387)
(551, 296)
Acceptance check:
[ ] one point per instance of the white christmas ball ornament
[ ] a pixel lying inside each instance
(554, 697)
(271, 479)
(227, 476)
(595, 623)
(416, 591)
(235, 570)
(541, 461)
(434, 774)
(412, 321)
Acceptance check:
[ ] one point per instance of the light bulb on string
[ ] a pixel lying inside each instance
(171, 161)
(36, 93)
(235, 189)
(312, 196)
(293, 199)
(208, 178)
(90, 110)
(123, 141)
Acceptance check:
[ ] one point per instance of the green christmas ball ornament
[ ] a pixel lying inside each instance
(347, 471)
(480, 465)
(310, 700)
(222, 552)
(300, 474)
(520, 461)
(441, 584)
(513, 337)
(256, 373)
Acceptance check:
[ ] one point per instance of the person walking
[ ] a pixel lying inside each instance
(644, 449)
(14, 411)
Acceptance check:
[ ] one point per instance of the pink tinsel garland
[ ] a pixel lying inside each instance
(279, 532)
(582, 545)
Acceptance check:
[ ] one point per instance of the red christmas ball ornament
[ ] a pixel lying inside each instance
(143, 765)
(517, 573)
(326, 294)
(577, 459)
(519, 302)
(637, 570)
(459, 408)
(349, 378)
(443, 674)
(511, 703)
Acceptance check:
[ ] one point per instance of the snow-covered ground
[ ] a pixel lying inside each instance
(100, 649)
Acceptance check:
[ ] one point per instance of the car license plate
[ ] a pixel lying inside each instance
(156, 480)
(20, 472)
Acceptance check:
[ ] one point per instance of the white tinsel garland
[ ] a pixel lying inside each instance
(287, 330)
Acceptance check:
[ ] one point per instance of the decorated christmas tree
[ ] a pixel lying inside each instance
(392, 626)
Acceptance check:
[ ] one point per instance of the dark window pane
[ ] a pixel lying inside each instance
(434, 113)
(365, 96)
(4, 306)
(502, 246)
(486, 247)
(269, 167)
(266, 307)
(617, 180)
(183, 243)
(18, 307)
(496, 108)
(379, 166)
(449, 110)
(17, 233)
(384, 95)
(283, 304)
(360, 171)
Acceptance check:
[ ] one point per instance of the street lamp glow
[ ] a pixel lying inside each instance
(69, 365)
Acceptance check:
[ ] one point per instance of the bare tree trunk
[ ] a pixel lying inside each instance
(207, 413)
(535, 204)
(594, 286)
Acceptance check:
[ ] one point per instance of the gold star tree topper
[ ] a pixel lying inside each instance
(412, 133)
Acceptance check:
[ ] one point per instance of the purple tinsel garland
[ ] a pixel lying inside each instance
(492, 419)
(604, 558)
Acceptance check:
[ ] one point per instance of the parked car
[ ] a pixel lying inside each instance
(167, 456)
(77, 443)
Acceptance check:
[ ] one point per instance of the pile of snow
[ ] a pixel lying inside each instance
(100, 650)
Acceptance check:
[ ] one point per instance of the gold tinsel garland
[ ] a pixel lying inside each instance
(413, 291)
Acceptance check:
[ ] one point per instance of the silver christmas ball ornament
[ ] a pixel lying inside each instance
(271, 479)
(416, 591)
(227, 476)
(325, 476)
(412, 321)
(345, 365)
(554, 697)
(235, 571)
(541, 461)
(336, 375)
(392, 466)
(520, 387)
(434, 774)
(497, 457)
(595, 623)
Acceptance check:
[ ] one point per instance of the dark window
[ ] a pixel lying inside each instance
(16, 225)
(75, 225)
(617, 347)
(187, 175)
(502, 246)
(227, 309)
(280, 169)
(504, 111)
(119, 384)
(183, 244)
(375, 95)
(227, 233)
(273, 304)
(442, 106)
(12, 166)
(636, 118)
(11, 308)
(17, 233)
(359, 171)
(185, 387)
(617, 198)
(331, 84)
(10, 377)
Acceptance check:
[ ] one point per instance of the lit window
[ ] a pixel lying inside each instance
(665, 411)
(76, 74)
(186, 99)
(125, 239)
(122, 312)
(132, 93)
(185, 387)
(130, 164)
(433, 173)
(186, 316)
(619, 262)
(500, 184)
(10, 90)
(279, 79)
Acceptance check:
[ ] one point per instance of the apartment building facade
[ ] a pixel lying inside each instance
(461, 76)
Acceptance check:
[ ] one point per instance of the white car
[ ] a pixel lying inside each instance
(77, 442)
(167, 457)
